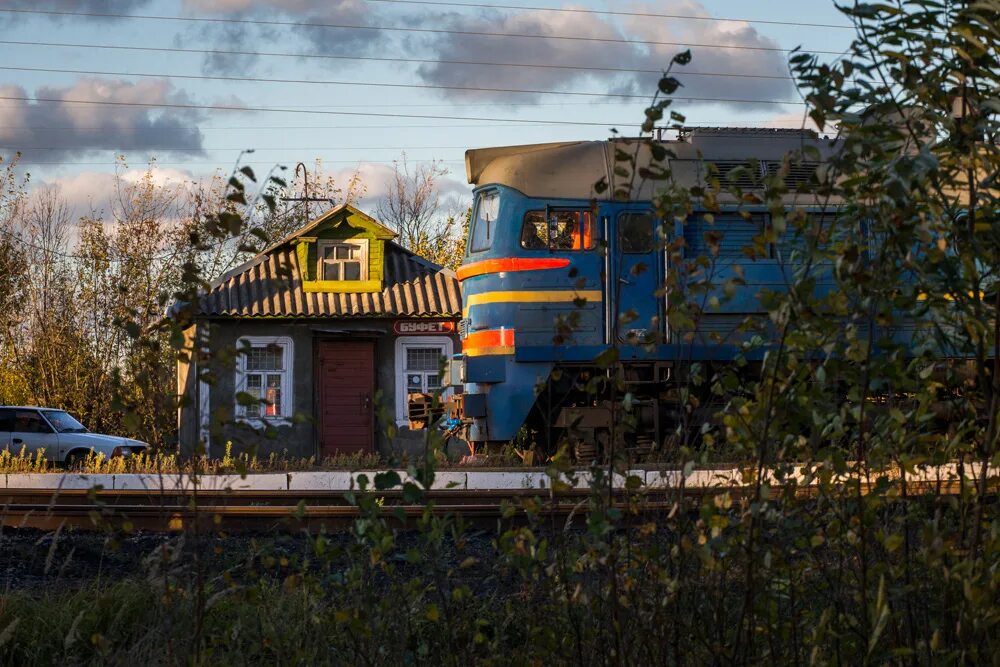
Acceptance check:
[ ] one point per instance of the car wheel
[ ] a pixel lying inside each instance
(74, 460)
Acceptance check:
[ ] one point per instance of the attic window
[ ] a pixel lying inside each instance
(342, 260)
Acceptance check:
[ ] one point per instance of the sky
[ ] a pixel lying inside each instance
(189, 84)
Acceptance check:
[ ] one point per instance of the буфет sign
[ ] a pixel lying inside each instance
(420, 327)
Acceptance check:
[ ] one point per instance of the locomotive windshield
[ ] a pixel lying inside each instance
(484, 224)
(564, 230)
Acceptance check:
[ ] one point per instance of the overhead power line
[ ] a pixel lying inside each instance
(422, 61)
(462, 105)
(605, 12)
(708, 122)
(256, 128)
(367, 84)
(312, 112)
(109, 163)
(395, 105)
(237, 148)
(439, 31)
(257, 149)
(323, 112)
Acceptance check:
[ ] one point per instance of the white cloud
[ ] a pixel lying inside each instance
(92, 191)
(319, 39)
(574, 53)
(92, 6)
(36, 127)
(722, 58)
(96, 193)
(557, 52)
(316, 7)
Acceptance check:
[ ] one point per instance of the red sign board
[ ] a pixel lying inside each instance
(421, 327)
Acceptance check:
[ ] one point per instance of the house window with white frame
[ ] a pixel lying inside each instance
(418, 369)
(264, 370)
(423, 368)
(343, 260)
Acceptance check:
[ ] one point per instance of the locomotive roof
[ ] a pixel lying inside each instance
(570, 170)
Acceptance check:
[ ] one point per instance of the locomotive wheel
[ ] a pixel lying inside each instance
(585, 452)
(643, 447)
(594, 451)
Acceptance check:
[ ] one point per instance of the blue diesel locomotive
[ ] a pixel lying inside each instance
(556, 274)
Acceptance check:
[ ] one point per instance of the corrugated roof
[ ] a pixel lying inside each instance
(270, 285)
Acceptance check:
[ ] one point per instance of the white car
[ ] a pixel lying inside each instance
(63, 438)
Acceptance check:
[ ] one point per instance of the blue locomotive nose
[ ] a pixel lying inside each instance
(556, 277)
(532, 284)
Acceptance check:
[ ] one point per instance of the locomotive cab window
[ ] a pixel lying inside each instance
(635, 232)
(484, 224)
(563, 230)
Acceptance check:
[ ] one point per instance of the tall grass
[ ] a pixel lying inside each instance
(158, 462)
(613, 591)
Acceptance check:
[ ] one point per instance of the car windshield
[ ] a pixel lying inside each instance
(63, 422)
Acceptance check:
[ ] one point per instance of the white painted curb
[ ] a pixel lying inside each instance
(452, 479)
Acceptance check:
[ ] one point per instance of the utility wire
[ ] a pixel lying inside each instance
(209, 162)
(369, 84)
(255, 128)
(438, 31)
(704, 123)
(604, 12)
(256, 149)
(365, 114)
(313, 112)
(431, 61)
(395, 105)
(237, 148)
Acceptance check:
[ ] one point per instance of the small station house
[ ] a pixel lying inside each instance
(333, 328)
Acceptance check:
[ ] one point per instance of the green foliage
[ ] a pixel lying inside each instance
(445, 245)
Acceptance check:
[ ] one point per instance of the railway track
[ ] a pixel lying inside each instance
(226, 509)
(265, 510)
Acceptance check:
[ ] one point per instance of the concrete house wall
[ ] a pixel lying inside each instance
(299, 438)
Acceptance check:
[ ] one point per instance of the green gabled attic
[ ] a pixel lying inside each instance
(342, 251)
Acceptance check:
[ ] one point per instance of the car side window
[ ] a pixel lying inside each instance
(29, 421)
(6, 420)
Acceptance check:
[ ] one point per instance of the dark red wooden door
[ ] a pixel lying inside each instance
(345, 383)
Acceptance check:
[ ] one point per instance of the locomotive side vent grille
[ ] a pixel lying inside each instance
(735, 234)
(741, 173)
(799, 173)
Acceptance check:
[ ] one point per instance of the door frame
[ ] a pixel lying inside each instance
(657, 266)
(318, 341)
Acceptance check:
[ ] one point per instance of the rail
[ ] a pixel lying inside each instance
(179, 503)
